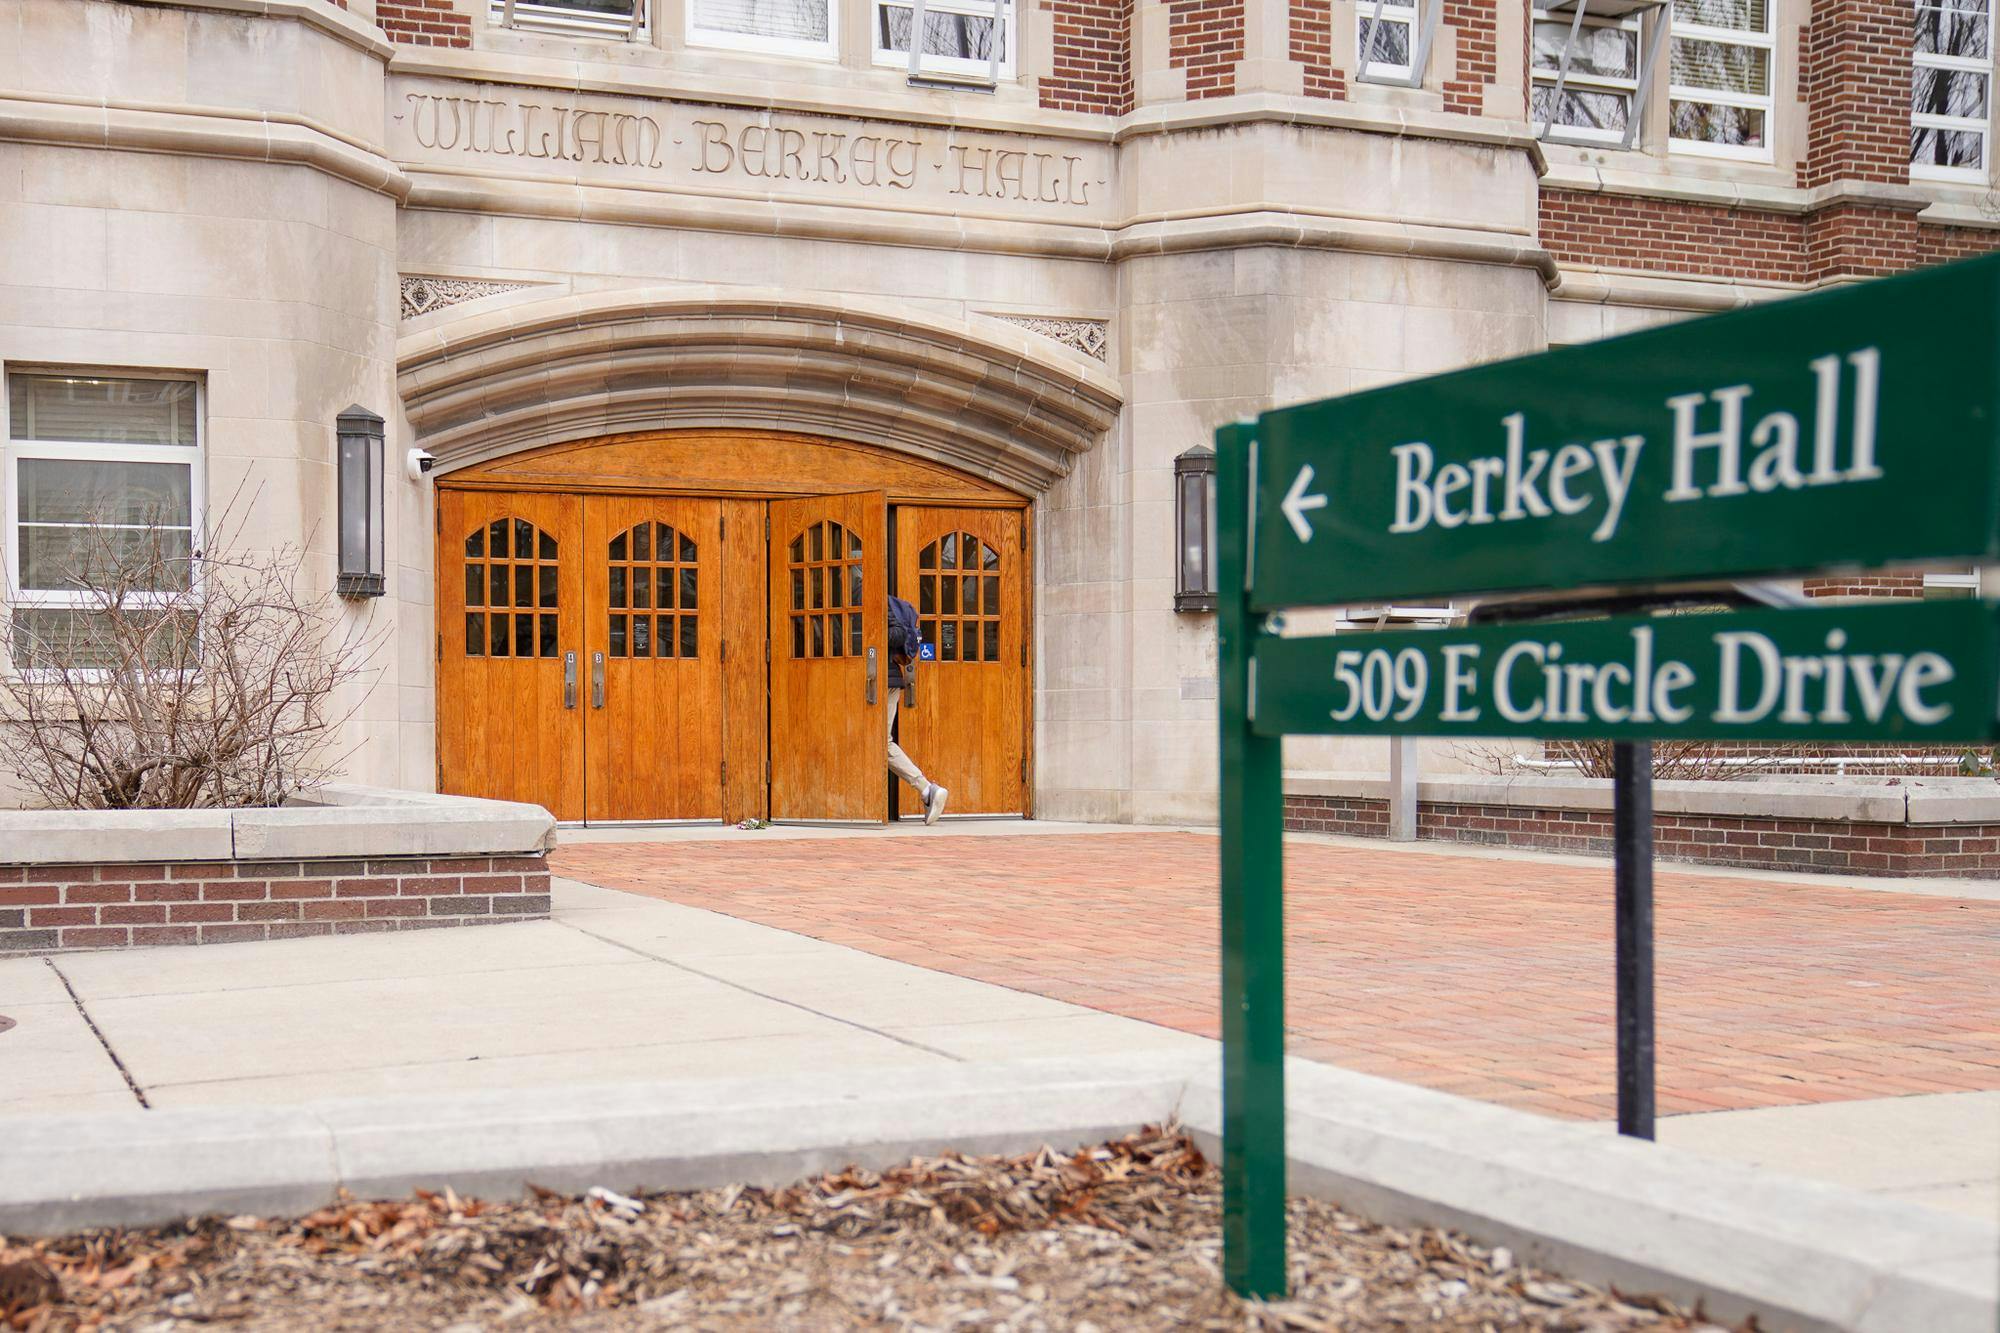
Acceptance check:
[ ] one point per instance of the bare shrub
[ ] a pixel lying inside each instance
(183, 679)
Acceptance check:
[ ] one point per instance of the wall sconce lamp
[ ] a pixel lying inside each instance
(1194, 529)
(359, 476)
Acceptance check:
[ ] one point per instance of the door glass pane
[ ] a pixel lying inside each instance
(992, 640)
(854, 585)
(642, 586)
(834, 637)
(475, 634)
(992, 602)
(948, 551)
(798, 636)
(476, 543)
(496, 537)
(833, 588)
(949, 593)
(524, 636)
(617, 593)
(689, 646)
(927, 558)
(853, 545)
(498, 584)
(688, 582)
(948, 641)
(798, 550)
(798, 590)
(687, 550)
(496, 641)
(971, 594)
(665, 588)
(854, 632)
(989, 558)
(927, 631)
(819, 636)
(548, 639)
(642, 636)
(618, 547)
(524, 539)
(642, 542)
(548, 590)
(618, 636)
(818, 587)
(475, 586)
(817, 534)
(524, 585)
(548, 548)
(927, 595)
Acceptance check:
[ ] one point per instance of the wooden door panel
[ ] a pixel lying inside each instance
(746, 675)
(828, 577)
(509, 609)
(653, 593)
(963, 570)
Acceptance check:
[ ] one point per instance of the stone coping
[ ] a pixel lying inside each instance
(337, 820)
(1796, 1253)
(1845, 800)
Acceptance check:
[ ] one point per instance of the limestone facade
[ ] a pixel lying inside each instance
(1164, 217)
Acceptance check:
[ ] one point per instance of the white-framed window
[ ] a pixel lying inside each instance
(807, 28)
(1596, 99)
(1940, 584)
(1386, 38)
(1719, 98)
(1951, 118)
(620, 20)
(96, 463)
(959, 37)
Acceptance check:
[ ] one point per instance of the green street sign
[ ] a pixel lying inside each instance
(1848, 429)
(1919, 673)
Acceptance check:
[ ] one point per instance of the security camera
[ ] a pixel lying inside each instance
(416, 463)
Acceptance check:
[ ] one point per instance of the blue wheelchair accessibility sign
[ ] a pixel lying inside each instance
(927, 652)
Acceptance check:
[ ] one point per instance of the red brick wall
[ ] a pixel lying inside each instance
(1093, 56)
(1663, 235)
(1854, 74)
(48, 908)
(1312, 48)
(424, 22)
(1965, 850)
(1473, 24)
(1205, 38)
(1622, 231)
(1866, 585)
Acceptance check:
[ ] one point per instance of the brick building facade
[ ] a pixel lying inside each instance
(722, 254)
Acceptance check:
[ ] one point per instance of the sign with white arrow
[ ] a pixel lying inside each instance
(1824, 432)
(1298, 502)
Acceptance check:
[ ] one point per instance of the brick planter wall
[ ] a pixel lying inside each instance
(49, 908)
(1826, 846)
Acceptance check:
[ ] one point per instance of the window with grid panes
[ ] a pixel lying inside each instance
(1720, 61)
(958, 598)
(510, 590)
(958, 37)
(780, 27)
(102, 484)
(652, 597)
(1387, 39)
(613, 19)
(1601, 87)
(824, 566)
(1952, 80)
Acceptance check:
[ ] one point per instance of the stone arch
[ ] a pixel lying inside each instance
(981, 395)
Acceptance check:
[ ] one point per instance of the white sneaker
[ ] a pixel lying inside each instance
(934, 804)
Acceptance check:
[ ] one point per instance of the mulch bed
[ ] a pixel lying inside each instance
(1120, 1237)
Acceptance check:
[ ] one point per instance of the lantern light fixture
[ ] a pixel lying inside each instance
(1194, 530)
(358, 433)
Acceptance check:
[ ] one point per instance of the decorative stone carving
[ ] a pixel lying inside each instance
(1084, 335)
(421, 295)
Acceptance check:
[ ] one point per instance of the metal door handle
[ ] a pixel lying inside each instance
(871, 675)
(569, 680)
(909, 691)
(597, 680)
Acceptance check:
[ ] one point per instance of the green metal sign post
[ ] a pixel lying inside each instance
(1851, 429)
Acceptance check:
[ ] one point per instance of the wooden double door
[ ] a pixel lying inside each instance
(630, 658)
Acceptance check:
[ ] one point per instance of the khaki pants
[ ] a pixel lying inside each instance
(899, 763)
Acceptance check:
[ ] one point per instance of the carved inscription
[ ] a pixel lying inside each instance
(811, 156)
(529, 129)
(775, 153)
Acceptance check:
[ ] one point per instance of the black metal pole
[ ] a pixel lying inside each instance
(1632, 848)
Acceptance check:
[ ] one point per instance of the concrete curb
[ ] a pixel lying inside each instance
(1644, 1217)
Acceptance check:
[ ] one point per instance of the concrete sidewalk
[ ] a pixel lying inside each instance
(620, 989)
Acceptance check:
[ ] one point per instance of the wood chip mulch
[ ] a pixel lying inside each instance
(1124, 1236)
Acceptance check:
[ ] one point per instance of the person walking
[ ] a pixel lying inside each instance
(905, 643)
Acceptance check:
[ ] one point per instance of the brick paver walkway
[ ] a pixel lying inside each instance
(1488, 978)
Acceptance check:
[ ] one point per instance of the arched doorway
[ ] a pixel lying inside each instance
(690, 625)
